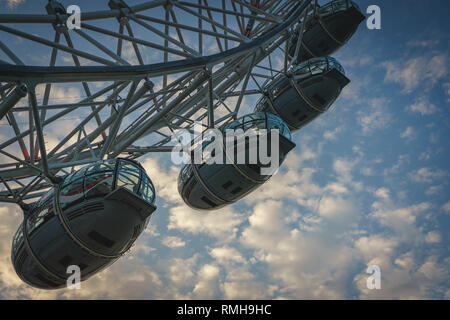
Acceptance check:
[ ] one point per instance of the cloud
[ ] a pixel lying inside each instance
(332, 134)
(12, 4)
(336, 207)
(433, 190)
(433, 237)
(402, 160)
(181, 275)
(417, 71)
(165, 181)
(222, 223)
(403, 280)
(401, 220)
(238, 290)
(382, 193)
(225, 254)
(293, 181)
(446, 207)
(446, 87)
(375, 117)
(422, 43)
(408, 133)
(173, 242)
(207, 285)
(423, 107)
(376, 249)
(432, 270)
(427, 175)
(297, 258)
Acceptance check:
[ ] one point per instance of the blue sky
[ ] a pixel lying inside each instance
(366, 185)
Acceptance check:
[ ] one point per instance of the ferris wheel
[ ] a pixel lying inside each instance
(117, 86)
(125, 97)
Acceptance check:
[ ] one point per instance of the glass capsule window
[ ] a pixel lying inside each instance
(72, 189)
(184, 176)
(337, 6)
(99, 179)
(38, 217)
(316, 66)
(260, 120)
(128, 176)
(147, 190)
(17, 240)
(102, 177)
(46, 198)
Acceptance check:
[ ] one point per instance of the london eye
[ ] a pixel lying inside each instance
(144, 71)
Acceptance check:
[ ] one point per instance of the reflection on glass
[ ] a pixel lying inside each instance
(102, 177)
(260, 120)
(315, 66)
(17, 239)
(336, 6)
(98, 184)
(128, 176)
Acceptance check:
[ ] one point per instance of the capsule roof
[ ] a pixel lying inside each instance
(260, 120)
(124, 173)
(318, 65)
(336, 6)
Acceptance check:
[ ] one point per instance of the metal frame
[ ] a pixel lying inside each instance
(198, 82)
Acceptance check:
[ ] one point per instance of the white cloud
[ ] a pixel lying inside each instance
(432, 270)
(405, 261)
(427, 175)
(165, 181)
(375, 117)
(227, 254)
(14, 3)
(221, 223)
(422, 43)
(446, 87)
(236, 290)
(401, 279)
(336, 208)
(181, 274)
(433, 190)
(446, 207)
(376, 249)
(207, 284)
(425, 71)
(422, 106)
(433, 237)
(336, 188)
(408, 133)
(297, 258)
(402, 219)
(343, 167)
(367, 171)
(382, 193)
(401, 161)
(173, 242)
(332, 134)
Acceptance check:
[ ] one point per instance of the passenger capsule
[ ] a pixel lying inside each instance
(89, 220)
(209, 186)
(327, 31)
(306, 92)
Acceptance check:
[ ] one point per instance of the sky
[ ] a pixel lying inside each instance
(366, 185)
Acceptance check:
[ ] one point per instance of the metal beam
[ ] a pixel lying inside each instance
(12, 99)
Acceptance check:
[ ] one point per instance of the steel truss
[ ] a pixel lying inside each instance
(142, 72)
